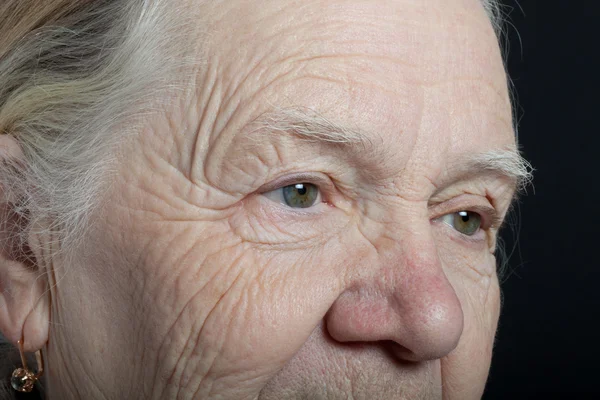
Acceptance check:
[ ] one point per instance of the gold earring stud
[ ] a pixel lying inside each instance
(23, 379)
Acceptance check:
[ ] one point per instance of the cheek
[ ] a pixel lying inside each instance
(465, 370)
(252, 306)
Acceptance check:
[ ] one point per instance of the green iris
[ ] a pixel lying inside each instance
(300, 195)
(466, 222)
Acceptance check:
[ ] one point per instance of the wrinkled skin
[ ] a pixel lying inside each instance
(196, 283)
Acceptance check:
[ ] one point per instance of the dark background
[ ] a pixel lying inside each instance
(548, 340)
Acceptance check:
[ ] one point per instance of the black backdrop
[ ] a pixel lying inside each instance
(548, 340)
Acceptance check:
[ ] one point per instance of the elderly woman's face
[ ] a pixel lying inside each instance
(309, 221)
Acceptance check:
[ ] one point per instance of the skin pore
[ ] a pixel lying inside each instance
(198, 281)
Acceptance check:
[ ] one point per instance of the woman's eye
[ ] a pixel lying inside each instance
(466, 222)
(298, 195)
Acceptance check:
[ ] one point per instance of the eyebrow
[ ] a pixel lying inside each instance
(507, 162)
(311, 126)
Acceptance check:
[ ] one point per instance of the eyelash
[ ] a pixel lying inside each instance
(316, 179)
(489, 221)
(489, 216)
(324, 185)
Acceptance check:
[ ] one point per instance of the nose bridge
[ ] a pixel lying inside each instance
(406, 246)
(411, 272)
(406, 234)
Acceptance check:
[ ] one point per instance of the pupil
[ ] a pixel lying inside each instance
(464, 216)
(301, 189)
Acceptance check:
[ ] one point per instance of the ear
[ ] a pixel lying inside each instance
(24, 301)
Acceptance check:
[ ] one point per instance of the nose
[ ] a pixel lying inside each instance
(406, 301)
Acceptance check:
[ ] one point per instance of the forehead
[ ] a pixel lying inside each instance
(419, 75)
(433, 40)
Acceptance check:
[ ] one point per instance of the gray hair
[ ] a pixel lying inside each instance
(71, 74)
(75, 76)
(493, 9)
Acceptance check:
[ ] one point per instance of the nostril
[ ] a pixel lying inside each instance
(400, 354)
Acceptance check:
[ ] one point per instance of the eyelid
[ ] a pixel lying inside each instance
(323, 183)
(490, 217)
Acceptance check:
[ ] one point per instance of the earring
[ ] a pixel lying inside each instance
(23, 379)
